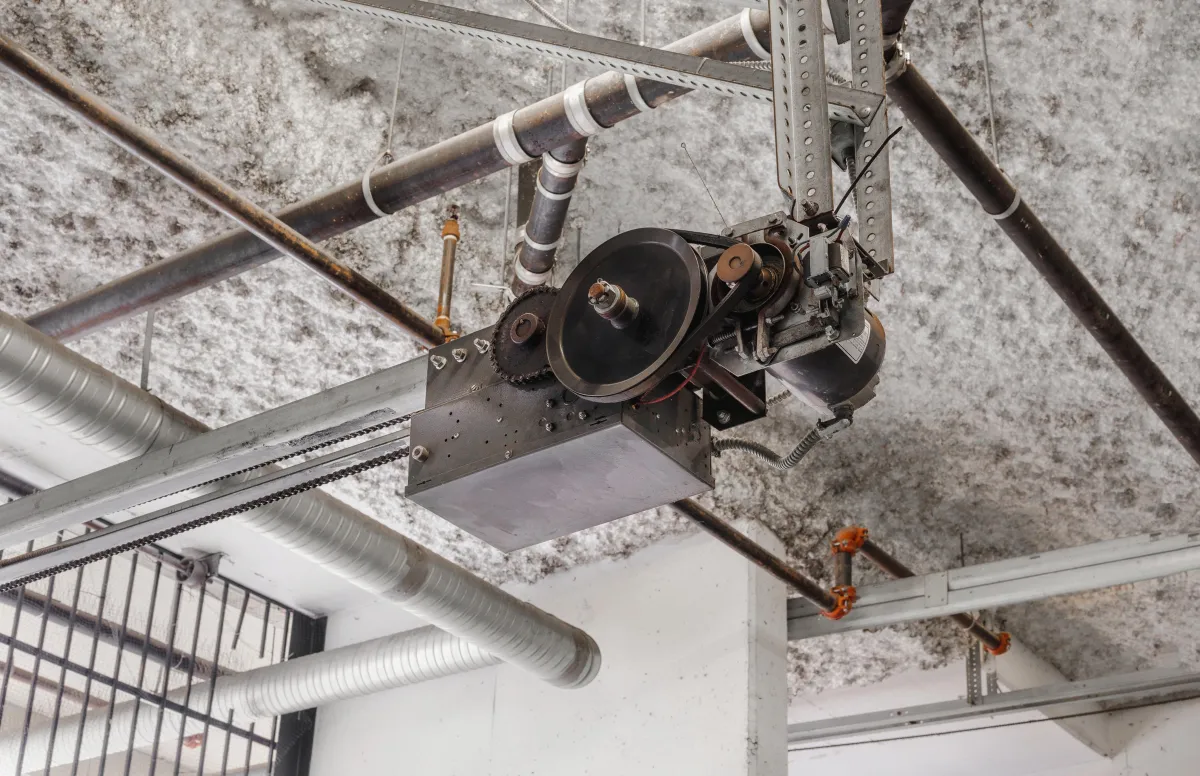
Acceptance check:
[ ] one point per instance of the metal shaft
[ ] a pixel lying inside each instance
(999, 198)
(755, 552)
(209, 188)
(889, 565)
(435, 170)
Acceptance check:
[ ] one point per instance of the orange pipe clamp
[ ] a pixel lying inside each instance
(850, 539)
(844, 597)
(1005, 642)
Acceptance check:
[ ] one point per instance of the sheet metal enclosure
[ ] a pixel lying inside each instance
(516, 466)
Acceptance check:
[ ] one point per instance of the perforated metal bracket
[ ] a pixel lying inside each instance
(802, 129)
(874, 192)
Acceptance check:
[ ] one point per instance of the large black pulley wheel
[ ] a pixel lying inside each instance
(623, 313)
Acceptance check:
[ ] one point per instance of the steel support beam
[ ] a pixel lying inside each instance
(210, 189)
(357, 405)
(1122, 687)
(1006, 582)
(512, 139)
(1000, 199)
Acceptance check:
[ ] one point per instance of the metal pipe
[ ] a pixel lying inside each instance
(207, 187)
(55, 387)
(306, 682)
(450, 236)
(512, 139)
(547, 215)
(891, 566)
(749, 549)
(999, 198)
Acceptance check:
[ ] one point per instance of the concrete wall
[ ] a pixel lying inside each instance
(693, 681)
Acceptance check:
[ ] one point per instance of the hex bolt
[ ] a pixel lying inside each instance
(437, 361)
(809, 207)
(474, 387)
(549, 426)
(460, 354)
(831, 333)
(549, 404)
(500, 420)
(582, 415)
(723, 417)
(507, 454)
(420, 454)
(482, 345)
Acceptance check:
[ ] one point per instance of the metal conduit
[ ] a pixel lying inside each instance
(547, 215)
(1000, 199)
(207, 187)
(406, 658)
(512, 139)
(57, 387)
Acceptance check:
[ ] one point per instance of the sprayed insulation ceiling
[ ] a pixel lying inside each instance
(1000, 427)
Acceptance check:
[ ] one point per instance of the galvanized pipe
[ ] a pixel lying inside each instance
(207, 187)
(512, 139)
(752, 551)
(547, 215)
(57, 388)
(1000, 199)
(306, 682)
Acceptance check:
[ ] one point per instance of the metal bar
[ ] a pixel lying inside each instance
(294, 749)
(141, 677)
(873, 194)
(117, 663)
(8, 660)
(890, 565)
(1006, 582)
(147, 345)
(38, 655)
(999, 198)
(91, 666)
(749, 549)
(802, 127)
(172, 629)
(187, 694)
(450, 236)
(728, 383)
(163, 522)
(208, 188)
(1140, 684)
(453, 162)
(62, 672)
(212, 690)
(349, 408)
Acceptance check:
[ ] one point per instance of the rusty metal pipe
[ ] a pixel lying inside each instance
(751, 550)
(450, 235)
(435, 170)
(894, 568)
(954, 143)
(207, 187)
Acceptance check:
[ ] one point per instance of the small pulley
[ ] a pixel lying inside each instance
(635, 309)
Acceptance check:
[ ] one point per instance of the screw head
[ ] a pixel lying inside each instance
(437, 361)
(460, 354)
(831, 333)
(549, 426)
(507, 454)
(500, 420)
(549, 404)
(474, 387)
(582, 415)
(420, 454)
(723, 416)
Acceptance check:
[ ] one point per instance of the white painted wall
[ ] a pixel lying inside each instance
(693, 681)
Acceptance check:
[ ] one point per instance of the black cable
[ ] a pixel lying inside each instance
(993, 727)
(866, 167)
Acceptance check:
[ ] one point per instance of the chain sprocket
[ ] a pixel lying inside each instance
(526, 362)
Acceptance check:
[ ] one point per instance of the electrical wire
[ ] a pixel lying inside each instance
(679, 387)
(993, 727)
(866, 167)
(550, 17)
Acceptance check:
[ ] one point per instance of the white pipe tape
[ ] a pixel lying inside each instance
(577, 111)
(449, 237)
(635, 94)
(544, 247)
(366, 185)
(561, 169)
(543, 192)
(531, 278)
(506, 140)
(1016, 203)
(752, 39)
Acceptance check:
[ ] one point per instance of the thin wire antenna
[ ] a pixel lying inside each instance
(504, 229)
(705, 184)
(642, 40)
(987, 80)
(396, 92)
(147, 339)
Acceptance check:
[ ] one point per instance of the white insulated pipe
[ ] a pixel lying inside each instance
(353, 671)
(57, 387)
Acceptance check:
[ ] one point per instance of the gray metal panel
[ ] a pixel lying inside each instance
(495, 470)
(874, 192)
(448, 378)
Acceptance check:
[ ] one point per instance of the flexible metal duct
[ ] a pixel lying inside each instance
(313, 680)
(59, 388)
